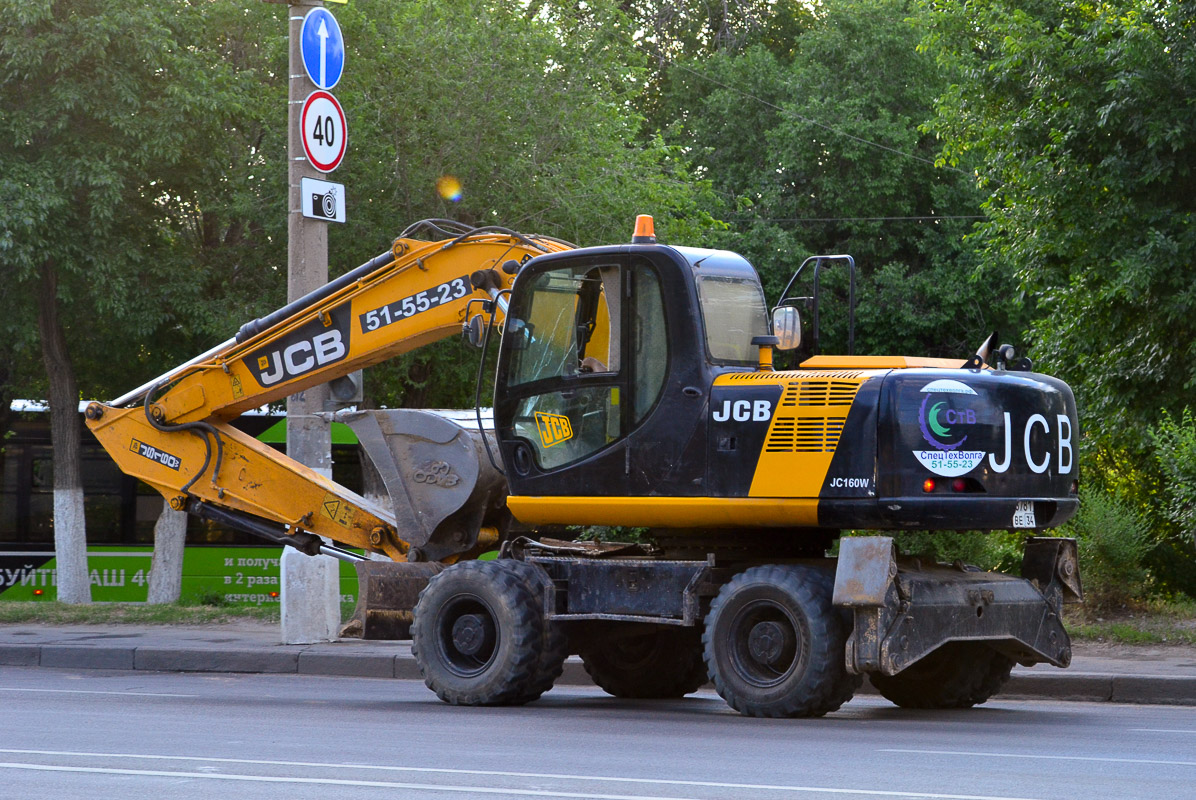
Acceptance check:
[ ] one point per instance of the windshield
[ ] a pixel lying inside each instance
(733, 310)
(568, 325)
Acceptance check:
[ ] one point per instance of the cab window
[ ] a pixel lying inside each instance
(733, 311)
(570, 326)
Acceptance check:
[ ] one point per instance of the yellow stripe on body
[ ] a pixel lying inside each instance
(665, 512)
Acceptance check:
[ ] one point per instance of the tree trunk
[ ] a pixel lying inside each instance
(70, 533)
(166, 569)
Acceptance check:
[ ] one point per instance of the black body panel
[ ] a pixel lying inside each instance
(739, 420)
(959, 450)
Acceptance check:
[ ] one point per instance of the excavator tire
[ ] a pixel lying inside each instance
(555, 648)
(661, 664)
(847, 684)
(478, 635)
(774, 644)
(957, 675)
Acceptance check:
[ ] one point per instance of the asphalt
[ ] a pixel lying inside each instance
(1119, 674)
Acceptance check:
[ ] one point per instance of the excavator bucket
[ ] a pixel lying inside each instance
(448, 499)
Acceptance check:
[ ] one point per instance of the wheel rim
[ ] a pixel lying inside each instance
(467, 635)
(766, 643)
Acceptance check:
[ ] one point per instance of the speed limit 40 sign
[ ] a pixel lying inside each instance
(324, 131)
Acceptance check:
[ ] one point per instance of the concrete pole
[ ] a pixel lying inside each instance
(310, 595)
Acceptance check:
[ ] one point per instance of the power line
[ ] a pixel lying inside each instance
(932, 218)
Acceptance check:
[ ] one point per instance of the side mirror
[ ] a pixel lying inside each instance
(786, 326)
(474, 330)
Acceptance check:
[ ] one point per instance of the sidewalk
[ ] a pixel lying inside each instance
(1120, 674)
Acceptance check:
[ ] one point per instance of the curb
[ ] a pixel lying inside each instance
(1057, 685)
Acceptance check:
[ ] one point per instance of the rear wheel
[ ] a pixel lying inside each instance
(774, 644)
(660, 664)
(478, 635)
(957, 675)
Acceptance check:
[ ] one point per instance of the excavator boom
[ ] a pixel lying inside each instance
(179, 440)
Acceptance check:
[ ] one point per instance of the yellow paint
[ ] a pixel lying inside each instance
(253, 477)
(805, 428)
(879, 362)
(666, 512)
(419, 266)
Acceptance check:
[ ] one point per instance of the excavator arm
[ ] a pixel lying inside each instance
(174, 432)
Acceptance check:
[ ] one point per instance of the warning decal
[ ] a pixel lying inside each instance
(338, 510)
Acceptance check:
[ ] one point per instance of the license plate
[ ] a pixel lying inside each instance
(1023, 515)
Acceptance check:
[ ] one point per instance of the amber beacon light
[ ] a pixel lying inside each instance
(645, 230)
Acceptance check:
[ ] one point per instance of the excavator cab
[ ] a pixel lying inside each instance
(606, 364)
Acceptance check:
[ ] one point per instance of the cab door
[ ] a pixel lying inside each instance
(584, 361)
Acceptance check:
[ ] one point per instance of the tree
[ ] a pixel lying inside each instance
(819, 148)
(1081, 116)
(101, 171)
(532, 118)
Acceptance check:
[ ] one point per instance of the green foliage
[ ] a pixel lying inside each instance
(1158, 620)
(1078, 116)
(541, 136)
(1175, 449)
(1077, 119)
(1148, 632)
(210, 597)
(1113, 542)
(151, 166)
(607, 533)
(819, 149)
(142, 116)
(55, 613)
(1001, 552)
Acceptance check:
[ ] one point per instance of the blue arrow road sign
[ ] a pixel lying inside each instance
(323, 48)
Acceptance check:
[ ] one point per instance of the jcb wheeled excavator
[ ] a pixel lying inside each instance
(635, 387)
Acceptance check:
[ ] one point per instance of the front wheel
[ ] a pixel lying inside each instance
(774, 644)
(478, 635)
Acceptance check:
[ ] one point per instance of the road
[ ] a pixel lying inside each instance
(111, 734)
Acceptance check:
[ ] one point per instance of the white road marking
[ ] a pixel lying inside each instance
(1162, 730)
(446, 787)
(86, 691)
(211, 776)
(1157, 761)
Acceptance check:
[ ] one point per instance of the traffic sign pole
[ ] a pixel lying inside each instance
(310, 595)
